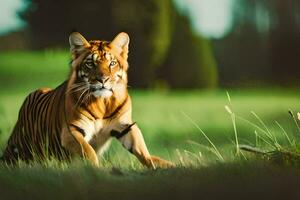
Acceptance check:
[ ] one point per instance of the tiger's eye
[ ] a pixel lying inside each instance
(89, 64)
(112, 63)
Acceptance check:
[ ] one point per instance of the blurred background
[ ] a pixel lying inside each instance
(217, 43)
(184, 55)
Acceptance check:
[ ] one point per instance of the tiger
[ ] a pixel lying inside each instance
(83, 114)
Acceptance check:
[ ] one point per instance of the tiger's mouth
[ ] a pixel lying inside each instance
(101, 91)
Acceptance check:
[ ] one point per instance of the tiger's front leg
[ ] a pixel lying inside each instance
(74, 141)
(133, 141)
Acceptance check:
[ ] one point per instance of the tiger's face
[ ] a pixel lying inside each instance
(99, 65)
(101, 71)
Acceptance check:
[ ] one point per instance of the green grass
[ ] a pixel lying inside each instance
(187, 127)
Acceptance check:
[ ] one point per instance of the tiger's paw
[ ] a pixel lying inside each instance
(161, 163)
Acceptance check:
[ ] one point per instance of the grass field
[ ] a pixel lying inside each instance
(191, 128)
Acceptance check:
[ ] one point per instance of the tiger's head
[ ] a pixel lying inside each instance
(99, 67)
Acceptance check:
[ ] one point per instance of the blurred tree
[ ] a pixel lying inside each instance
(157, 35)
(149, 25)
(285, 42)
(190, 61)
(49, 22)
(242, 54)
(263, 46)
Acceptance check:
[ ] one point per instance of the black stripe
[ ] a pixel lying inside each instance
(61, 102)
(117, 109)
(86, 109)
(32, 107)
(80, 130)
(42, 114)
(31, 99)
(118, 134)
(131, 150)
(39, 104)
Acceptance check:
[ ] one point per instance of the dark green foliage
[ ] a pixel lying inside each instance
(190, 61)
(149, 26)
(158, 35)
(263, 46)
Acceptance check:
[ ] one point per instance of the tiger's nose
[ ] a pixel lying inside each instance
(102, 79)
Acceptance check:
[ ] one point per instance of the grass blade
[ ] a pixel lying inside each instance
(206, 137)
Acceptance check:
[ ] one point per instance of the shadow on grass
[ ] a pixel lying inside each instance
(236, 180)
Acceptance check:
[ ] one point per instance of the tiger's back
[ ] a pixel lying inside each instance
(38, 128)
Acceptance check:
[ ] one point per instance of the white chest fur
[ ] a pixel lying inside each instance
(92, 129)
(98, 132)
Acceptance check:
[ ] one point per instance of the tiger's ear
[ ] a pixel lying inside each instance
(77, 43)
(121, 44)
